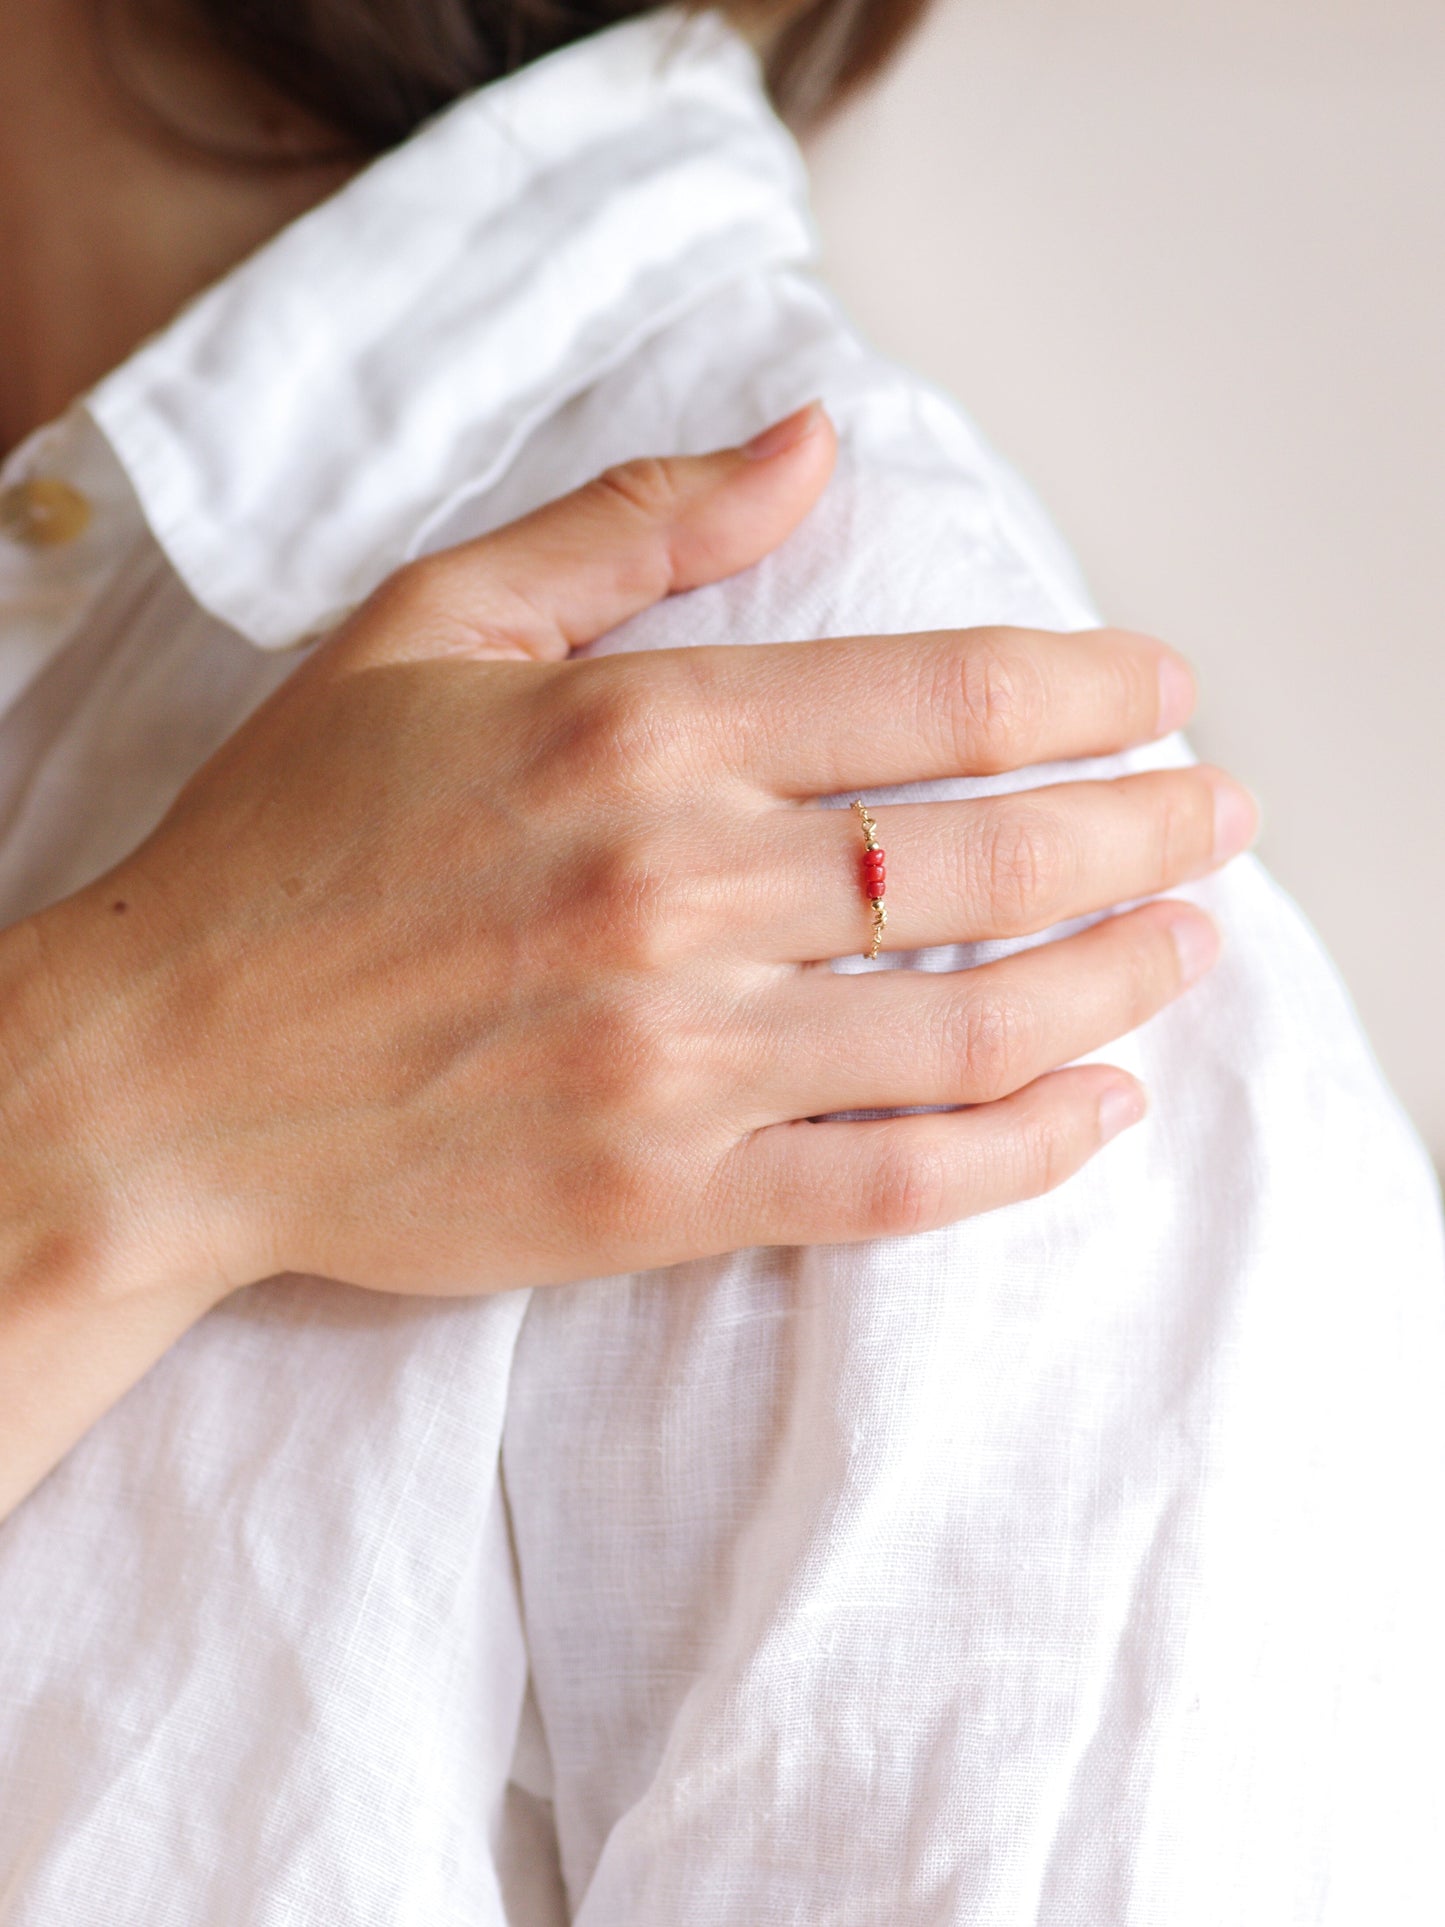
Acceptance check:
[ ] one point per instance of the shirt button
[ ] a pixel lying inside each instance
(44, 513)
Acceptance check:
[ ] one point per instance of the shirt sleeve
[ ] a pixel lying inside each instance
(1081, 1563)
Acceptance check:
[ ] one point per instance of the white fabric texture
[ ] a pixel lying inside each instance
(1078, 1566)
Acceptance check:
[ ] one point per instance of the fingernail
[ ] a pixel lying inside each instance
(1119, 1107)
(1196, 943)
(784, 435)
(1176, 694)
(1236, 818)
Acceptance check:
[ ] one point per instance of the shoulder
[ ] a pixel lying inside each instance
(923, 525)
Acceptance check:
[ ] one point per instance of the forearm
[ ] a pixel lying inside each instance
(93, 1289)
(66, 1357)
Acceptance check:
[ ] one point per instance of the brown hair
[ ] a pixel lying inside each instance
(373, 70)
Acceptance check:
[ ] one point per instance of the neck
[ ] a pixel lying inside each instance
(109, 224)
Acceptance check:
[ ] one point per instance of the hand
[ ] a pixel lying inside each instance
(463, 965)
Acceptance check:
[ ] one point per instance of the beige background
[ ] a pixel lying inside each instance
(1185, 263)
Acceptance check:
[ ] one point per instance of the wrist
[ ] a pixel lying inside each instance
(96, 1197)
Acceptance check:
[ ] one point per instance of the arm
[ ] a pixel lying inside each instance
(288, 1033)
(67, 1356)
(85, 1309)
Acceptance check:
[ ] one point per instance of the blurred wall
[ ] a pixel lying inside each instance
(1185, 264)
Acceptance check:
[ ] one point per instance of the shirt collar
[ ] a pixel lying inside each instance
(294, 431)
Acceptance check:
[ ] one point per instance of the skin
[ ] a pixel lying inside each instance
(107, 226)
(466, 965)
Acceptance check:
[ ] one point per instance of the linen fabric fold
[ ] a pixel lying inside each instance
(1077, 1566)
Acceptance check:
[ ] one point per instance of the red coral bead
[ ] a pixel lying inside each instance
(876, 887)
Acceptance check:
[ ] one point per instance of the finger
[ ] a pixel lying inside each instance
(813, 718)
(835, 1183)
(1002, 866)
(972, 1036)
(578, 567)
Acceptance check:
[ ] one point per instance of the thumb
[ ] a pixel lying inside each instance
(569, 572)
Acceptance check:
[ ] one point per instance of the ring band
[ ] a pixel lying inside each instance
(874, 875)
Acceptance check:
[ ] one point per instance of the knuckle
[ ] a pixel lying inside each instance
(1048, 1155)
(988, 1034)
(630, 909)
(643, 487)
(1122, 667)
(1183, 829)
(907, 1193)
(642, 914)
(1148, 970)
(1130, 683)
(624, 734)
(999, 700)
(610, 723)
(1024, 869)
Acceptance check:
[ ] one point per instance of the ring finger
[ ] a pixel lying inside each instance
(999, 866)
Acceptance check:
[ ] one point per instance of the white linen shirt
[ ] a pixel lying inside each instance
(1077, 1566)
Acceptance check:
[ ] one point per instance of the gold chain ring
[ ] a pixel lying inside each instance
(874, 874)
